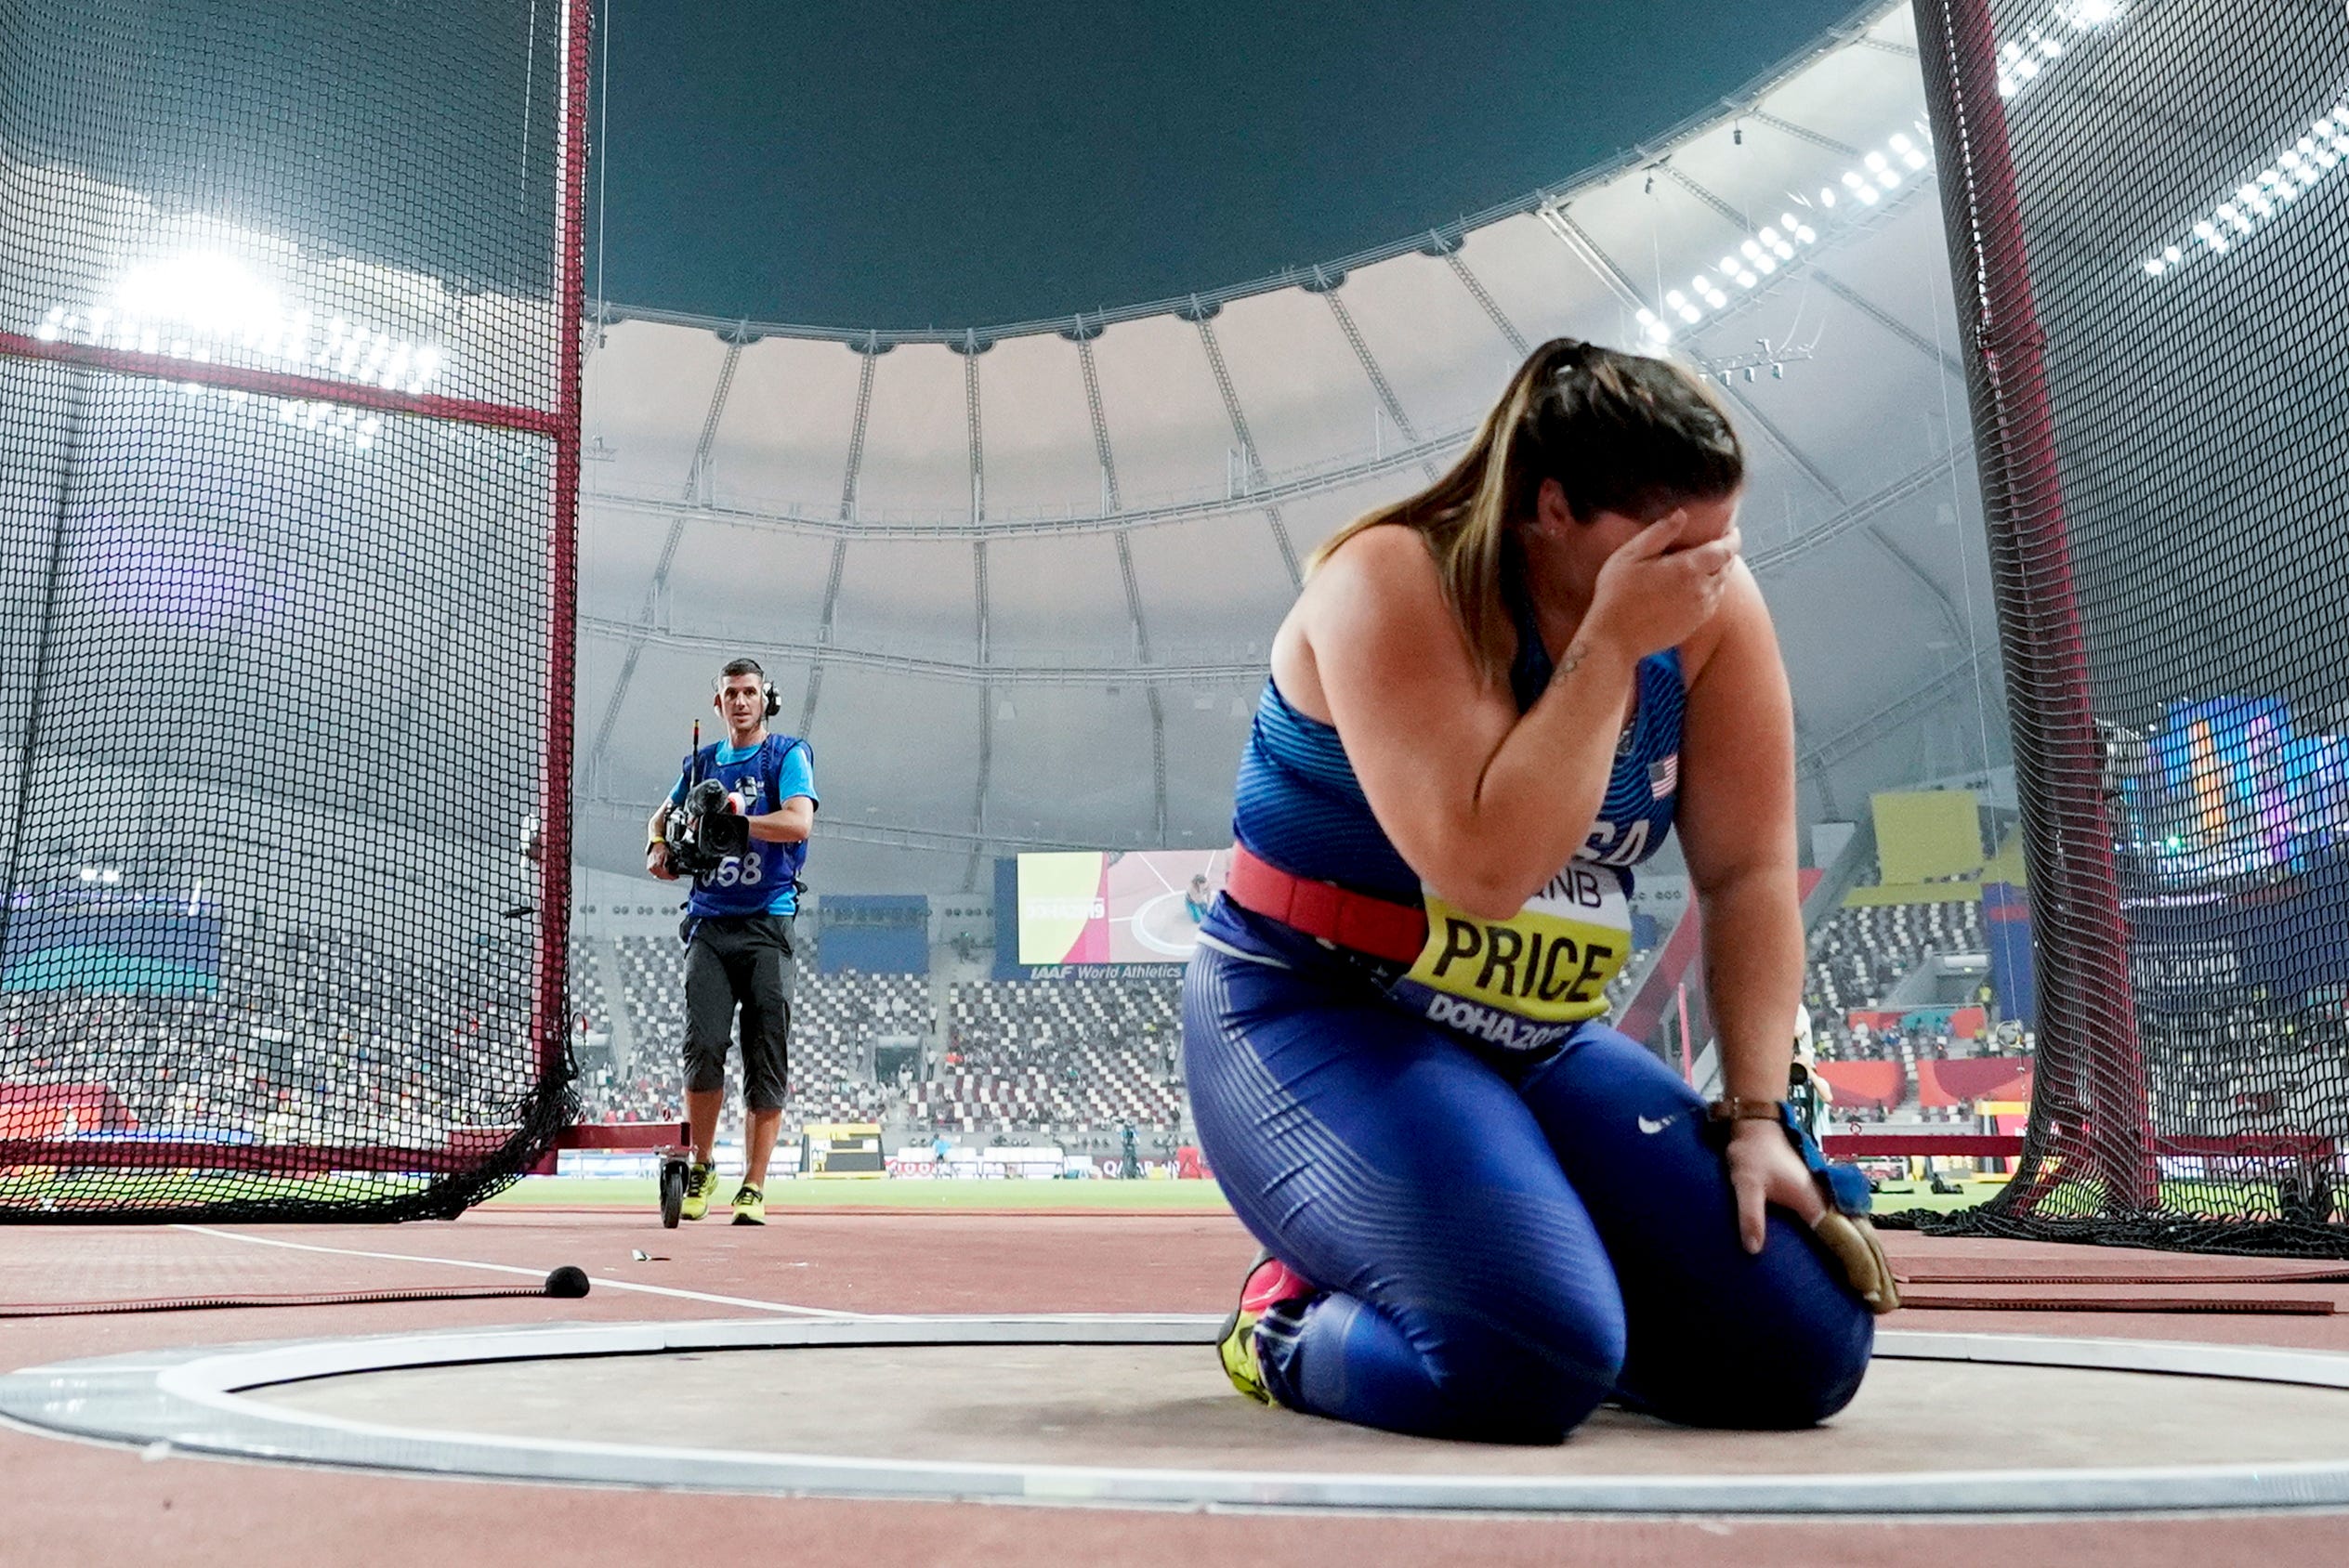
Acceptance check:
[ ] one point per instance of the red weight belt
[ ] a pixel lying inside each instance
(1376, 926)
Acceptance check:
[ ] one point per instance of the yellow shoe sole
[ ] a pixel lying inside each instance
(1236, 1351)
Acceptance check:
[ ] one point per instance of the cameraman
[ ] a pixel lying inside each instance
(738, 926)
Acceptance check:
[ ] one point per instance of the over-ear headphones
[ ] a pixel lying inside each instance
(774, 699)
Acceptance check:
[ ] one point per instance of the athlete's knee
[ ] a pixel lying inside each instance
(704, 1071)
(1825, 1366)
(1771, 1398)
(1800, 1373)
(1522, 1376)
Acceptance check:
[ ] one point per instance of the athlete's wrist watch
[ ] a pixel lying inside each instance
(1731, 1107)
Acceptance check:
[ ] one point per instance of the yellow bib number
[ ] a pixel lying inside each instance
(1550, 962)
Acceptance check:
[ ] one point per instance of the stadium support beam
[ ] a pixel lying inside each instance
(1801, 132)
(849, 479)
(1326, 284)
(1826, 280)
(1239, 667)
(986, 714)
(1150, 690)
(1908, 708)
(1579, 244)
(980, 630)
(1593, 256)
(623, 818)
(1887, 321)
(1477, 291)
(1200, 316)
(1860, 511)
(1141, 625)
(696, 493)
(1261, 496)
(1752, 418)
(1111, 502)
(1950, 616)
(1821, 774)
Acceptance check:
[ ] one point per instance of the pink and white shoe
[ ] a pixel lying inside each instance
(1269, 1282)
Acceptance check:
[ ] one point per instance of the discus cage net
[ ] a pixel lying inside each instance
(2148, 206)
(289, 370)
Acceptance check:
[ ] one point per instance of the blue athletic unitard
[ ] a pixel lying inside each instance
(1510, 1218)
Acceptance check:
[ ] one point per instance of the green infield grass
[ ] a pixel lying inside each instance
(1110, 1197)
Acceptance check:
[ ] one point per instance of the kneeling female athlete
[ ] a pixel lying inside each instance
(1483, 1211)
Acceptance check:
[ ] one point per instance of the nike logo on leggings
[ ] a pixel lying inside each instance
(1650, 1125)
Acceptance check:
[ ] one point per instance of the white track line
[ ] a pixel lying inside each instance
(753, 1304)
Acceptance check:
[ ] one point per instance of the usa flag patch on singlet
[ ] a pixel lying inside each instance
(1663, 777)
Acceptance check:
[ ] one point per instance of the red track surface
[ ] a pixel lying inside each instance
(69, 1503)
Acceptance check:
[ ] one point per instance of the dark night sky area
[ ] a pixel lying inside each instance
(864, 163)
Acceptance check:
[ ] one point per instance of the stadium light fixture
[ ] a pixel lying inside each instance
(1768, 248)
(213, 293)
(2296, 170)
(2024, 60)
(215, 301)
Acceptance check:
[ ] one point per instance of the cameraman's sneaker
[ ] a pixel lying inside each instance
(750, 1205)
(1269, 1284)
(700, 1186)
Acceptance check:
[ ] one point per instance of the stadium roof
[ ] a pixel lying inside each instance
(1017, 582)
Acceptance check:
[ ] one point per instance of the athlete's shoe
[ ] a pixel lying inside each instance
(750, 1205)
(700, 1186)
(1269, 1282)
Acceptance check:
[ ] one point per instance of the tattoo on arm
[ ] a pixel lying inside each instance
(1575, 653)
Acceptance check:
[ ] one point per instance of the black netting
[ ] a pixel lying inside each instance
(2149, 220)
(288, 421)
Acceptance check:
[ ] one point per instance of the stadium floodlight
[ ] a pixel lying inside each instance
(1763, 251)
(2022, 60)
(2297, 170)
(215, 293)
(211, 303)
